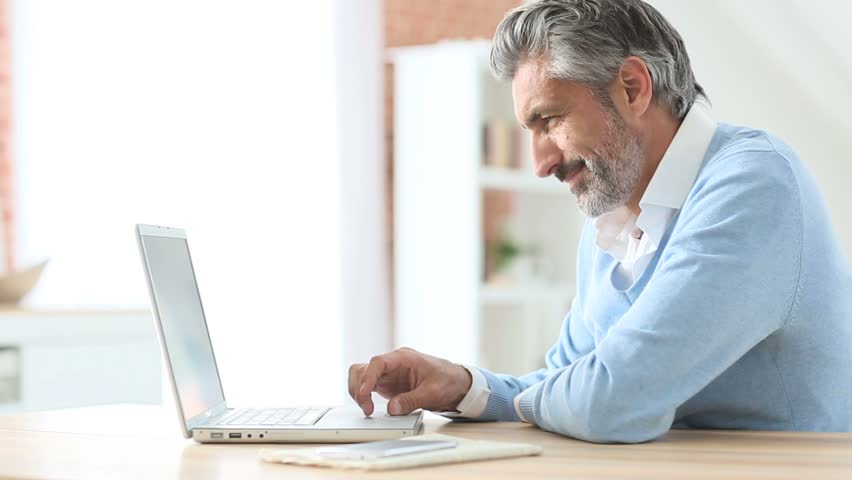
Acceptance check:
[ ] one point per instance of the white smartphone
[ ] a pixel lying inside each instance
(384, 448)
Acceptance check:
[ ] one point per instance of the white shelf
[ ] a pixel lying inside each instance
(526, 294)
(78, 358)
(480, 49)
(519, 181)
(440, 214)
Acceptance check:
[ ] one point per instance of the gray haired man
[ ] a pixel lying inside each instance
(712, 291)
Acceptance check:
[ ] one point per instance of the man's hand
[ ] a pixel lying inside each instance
(411, 380)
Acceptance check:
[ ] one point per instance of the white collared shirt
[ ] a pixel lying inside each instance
(618, 230)
(633, 240)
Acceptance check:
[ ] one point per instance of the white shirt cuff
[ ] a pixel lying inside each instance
(476, 399)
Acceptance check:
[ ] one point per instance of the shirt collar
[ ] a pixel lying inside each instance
(680, 164)
(667, 189)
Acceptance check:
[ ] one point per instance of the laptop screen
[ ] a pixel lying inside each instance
(184, 327)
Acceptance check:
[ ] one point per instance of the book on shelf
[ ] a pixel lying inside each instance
(505, 145)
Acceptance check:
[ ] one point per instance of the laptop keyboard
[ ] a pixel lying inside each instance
(273, 416)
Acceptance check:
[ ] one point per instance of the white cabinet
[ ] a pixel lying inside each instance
(70, 359)
(453, 208)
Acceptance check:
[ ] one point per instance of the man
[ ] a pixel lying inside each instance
(712, 291)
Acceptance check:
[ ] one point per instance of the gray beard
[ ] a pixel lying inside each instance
(614, 170)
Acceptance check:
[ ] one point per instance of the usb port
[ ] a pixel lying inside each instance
(216, 436)
(235, 435)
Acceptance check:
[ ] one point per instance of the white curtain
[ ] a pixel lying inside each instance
(216, 116)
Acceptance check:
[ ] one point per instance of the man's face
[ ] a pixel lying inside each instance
(578, 139)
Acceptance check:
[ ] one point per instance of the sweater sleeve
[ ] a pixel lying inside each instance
(574, 341)
(726, 280)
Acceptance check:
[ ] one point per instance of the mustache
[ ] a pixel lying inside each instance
(567, 167)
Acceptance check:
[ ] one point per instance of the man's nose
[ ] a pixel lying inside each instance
(546, 155)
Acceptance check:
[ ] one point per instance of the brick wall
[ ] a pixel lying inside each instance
(418, 22)
(6, 193)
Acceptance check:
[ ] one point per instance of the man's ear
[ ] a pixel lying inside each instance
(634, 89)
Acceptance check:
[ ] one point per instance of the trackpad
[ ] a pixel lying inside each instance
(352, 417)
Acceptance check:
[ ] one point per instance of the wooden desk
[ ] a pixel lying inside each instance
(130, 441)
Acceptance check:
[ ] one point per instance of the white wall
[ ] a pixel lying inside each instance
(784, 66)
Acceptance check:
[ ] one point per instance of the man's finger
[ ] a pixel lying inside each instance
(407, 402)
(355, 373)
(368, 382)
(377, 367)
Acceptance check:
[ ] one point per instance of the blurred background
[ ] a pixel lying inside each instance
(350, 176)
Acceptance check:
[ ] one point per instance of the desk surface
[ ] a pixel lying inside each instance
(132, 441)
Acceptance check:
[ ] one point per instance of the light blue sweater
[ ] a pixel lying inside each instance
(743, 319)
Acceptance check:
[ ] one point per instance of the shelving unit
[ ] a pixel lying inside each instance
(514, 295)
(449, 202)
(518, 181)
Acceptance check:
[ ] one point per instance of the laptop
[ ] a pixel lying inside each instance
(191, 364)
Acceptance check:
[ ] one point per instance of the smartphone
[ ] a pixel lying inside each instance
(384, 448)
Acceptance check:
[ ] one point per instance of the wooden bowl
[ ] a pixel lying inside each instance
(14, 285)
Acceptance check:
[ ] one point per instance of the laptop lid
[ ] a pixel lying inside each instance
(181, 325)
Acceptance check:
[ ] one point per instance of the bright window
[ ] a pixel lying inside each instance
(218, 117)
